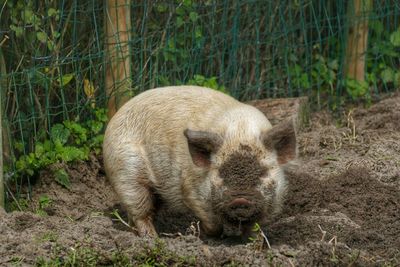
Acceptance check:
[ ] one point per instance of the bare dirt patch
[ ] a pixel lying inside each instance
(342, 209)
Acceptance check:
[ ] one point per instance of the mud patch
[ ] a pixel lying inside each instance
(352, 208)
(342, 210)
(242, 169)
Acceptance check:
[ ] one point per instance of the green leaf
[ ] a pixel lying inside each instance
(305, 83)
(29, 16)
(65, 79)
(334, 64)
(17, 29)
(396, 79)
(70, 153)
(395, 38)
(78, 131)
(20, 164)
(171, 45)
(42, 37)
(376, 26)
(180, 11)
(193, 16)
(44, 201)
(56, 34)
(211, 83)
(386, 49)
(198, 33)
(97, 141)
(179, 21)
(163, 80)
(51, 12)
(356, 89)
(59, 133)
(387, 75)
(39, 149)
(101, 114)
(371, 77)
(62, 177)
(162, 7)
(19, 146)
(187, 3)
(75, 127)
(222, 89)
(50, 45)
(199, 79)
(95, 126)
(47, 145)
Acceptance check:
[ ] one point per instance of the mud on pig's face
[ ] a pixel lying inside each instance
(244, 184)
(242, 200)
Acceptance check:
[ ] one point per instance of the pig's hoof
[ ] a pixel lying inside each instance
(145, 228)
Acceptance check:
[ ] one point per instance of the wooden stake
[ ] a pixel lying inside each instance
(118, 60)
(357, 39)
(2, 88)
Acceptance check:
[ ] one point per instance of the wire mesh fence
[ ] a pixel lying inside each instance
(54, 64)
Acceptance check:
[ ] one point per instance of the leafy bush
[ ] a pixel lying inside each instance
(212, 83)
(67, 142)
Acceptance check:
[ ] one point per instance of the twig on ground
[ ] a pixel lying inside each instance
(265, 238)
(323, 233)
(116, 214)
(172, 235)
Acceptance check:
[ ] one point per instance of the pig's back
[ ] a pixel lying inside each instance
(167, 110)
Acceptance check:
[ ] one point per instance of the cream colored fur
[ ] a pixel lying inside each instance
(145, 151)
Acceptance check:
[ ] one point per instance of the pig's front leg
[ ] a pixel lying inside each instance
(130, 177)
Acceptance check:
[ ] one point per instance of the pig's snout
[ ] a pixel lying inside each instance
(241, 209)
(238, 202)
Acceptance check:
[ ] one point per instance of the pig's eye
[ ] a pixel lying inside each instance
(264, 173)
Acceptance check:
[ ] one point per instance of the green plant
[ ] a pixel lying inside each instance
(120, 259)
(383, 56)
(185, 19)
(47, 236)
(67, 142)
(25, 16)
(357, 89)
(77, 256)
(198, 80)
(321, 76)
(211, 82)
(44, 202)
(159, 255)
(258, 238)
(320, 79)
(20, 204)
(17, 261)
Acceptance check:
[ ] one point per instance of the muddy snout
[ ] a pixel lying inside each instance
(240, 209)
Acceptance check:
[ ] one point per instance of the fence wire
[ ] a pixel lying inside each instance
(53, 64)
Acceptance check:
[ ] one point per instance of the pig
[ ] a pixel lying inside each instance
(198, 150)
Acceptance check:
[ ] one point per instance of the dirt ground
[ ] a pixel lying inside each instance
(343, 209)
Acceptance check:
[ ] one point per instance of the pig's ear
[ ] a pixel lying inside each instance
(282, 139)
(201, 145)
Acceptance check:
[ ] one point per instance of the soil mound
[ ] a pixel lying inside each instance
(342, 210)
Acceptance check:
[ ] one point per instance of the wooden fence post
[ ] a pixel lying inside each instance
(357, 39)
(118, 59)
(2, 72)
